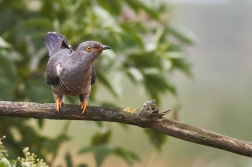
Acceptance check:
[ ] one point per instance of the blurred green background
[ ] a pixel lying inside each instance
(149, 60)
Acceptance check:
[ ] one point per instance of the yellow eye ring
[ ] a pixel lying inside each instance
(89, 48)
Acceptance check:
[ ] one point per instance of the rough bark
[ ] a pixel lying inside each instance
(146, 117)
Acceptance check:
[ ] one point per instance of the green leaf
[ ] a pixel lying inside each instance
(124, 126)
(99, 123)
(4, 163)
(37, 22)
(131, 39)
(19, 164)
(82, 165)
(135, 74)
(68, 159)
(127, 155)
(7, 65)
(145, 5)
(52, 145)
(13, 163)
(100, 152)
(156, 83)
(106, 82)
(62, 137)
(40, 123)
(138, 28)
(113, 6)
(156, 138)
(101, 138)
(100, 15)
(3, 43)
(182, 65)
(35, 88)
(8, 79)
(183, 34)
(175, 55)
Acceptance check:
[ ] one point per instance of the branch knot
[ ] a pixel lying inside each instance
(150, 110)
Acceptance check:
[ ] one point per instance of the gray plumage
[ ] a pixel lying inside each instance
(71, 72)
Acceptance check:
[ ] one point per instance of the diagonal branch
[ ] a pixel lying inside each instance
(146, 117)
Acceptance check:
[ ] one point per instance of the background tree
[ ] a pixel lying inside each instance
(146, 48)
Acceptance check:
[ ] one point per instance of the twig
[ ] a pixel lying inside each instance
(146, 117)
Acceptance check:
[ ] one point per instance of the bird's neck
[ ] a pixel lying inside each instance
(80, 63)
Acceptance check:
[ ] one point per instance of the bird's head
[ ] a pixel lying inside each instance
(91, 49)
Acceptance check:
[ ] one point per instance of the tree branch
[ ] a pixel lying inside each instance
(146, 117)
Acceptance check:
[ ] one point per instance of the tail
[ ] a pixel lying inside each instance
(55, 41)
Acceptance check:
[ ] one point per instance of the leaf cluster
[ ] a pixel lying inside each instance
(30, 159)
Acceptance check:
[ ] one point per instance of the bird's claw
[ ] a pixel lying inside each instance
(83, 106)
(58, 104)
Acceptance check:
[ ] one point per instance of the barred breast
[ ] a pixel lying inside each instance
(65, 88)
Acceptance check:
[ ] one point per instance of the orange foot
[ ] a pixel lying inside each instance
(83, 106)
(58, 104)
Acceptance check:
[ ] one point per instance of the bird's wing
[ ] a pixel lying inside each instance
(51, 74)
(55, 66)
(55, 41)
(51, 71)
(93, 77)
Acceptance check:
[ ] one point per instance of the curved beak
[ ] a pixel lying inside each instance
(104, 47)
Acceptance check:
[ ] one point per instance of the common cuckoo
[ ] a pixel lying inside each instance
(71, 72)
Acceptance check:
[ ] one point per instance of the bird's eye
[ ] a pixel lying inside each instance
(89, 48)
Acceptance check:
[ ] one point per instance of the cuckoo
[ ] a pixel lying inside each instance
(71, 72)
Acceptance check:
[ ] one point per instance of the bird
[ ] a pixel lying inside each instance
(71, 72)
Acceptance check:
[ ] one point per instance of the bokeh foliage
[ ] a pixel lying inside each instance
(146, 48)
